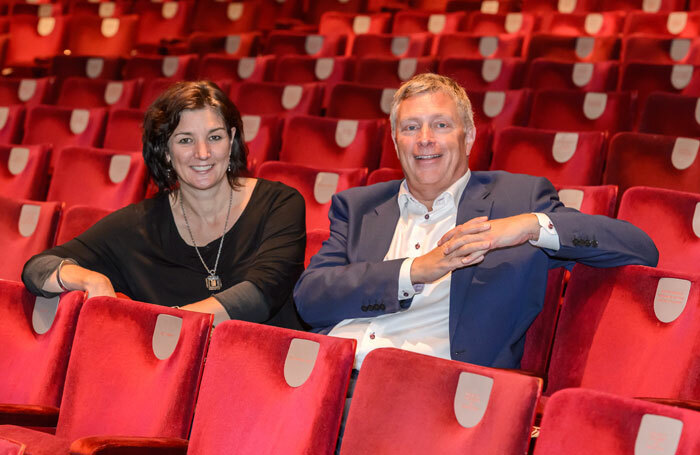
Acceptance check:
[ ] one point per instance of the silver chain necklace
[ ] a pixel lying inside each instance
(212, 281)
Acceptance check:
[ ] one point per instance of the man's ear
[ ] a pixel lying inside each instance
(469, 139)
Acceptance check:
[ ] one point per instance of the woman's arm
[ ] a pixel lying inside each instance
(49, 275)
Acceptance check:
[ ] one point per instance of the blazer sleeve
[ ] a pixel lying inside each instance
(336, 287)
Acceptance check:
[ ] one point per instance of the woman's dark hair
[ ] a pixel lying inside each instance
(163, 116)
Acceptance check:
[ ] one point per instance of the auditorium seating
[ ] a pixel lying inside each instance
(29, 92)
(11, 124)
(582, 24)
(134, 370)
(573, 48)
(226, 18)
(260, 98)
(314, 241)
(582, 421)
(646, 78)
(175, 67)
(438, 406)
(301, 69)
(234, 45)
(501, 108)
(408, 21)
(593, 200)
(263, 135)
(124, 130)
(490, 24)
(85, 93)
(334, 22)
(679, 24)
(572, 110)
(216, 67)
(36, 334)
(64, 66)
(660, 50)
(357, 101)
(301, 43)
(484, 74)
(161, 23)
(104, 37)
(670, 114)
(390, 71)
(32, 38)
(384, 174)
(466, 45)
(24, 171)
(64, 126)
(77, 219)
(544, 74)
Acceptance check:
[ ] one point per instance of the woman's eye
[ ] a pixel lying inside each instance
(215, 137)
(184, 140)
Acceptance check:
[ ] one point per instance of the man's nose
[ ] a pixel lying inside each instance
(425, 136)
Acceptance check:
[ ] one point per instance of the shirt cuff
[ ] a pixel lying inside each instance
(549, 238)
(407, 289)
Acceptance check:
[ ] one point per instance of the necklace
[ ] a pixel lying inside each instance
(212, 281)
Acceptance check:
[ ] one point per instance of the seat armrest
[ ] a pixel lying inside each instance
(126, 445)
(687, 404)
(28, 415)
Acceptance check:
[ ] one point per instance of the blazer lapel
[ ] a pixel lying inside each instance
(378, 228)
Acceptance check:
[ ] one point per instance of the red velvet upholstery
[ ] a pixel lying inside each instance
(158, 66)
(213, 16)
(13, 129)
(36, 442)
(311, 141)
(151, 89)
(34, 365)
(657, 49)
(514, 110)
(582, 422)
(669, 114)
(385, 45)
(487, 24)
(255, 410)
(636, 159)
(564, 48)
(91, 167)
(76, 219)
(672, 220)
(11, 447)
(563, 110)
(387, 71)
(470, 73)
(264, 142)
(262, 98)
(291, 42)
(597, 200)
(216, 67)
(334, 22)
(300, 69)
(121, 445)
(540, 6)
(124, 130)
(646, 78)
(10, 91)
(657, 24)
(467, 45)
(82, 92)
(316, 8)
(273, 14)
(314, 241)
(154, 28)
(404, 403)
(350, 100)
(529, 151)
(415, 21)
(241, 44)
(85, 7)
(304, 179)
(51, 125)
(551, 74)
(31, 181)
(632, 5)
(85, 36)
(26, 44)
(609, 338)
(15, 246)
(384, 174)
(474, 6)
(574, 24)
(64, 66)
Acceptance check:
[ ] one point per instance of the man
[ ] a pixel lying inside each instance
(449, 262)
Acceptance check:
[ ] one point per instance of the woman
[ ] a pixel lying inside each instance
(211, 240)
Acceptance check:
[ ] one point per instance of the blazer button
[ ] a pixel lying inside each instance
(363, 307)
(382, 307)
(587, 243)
(576, 242)
(594, 243)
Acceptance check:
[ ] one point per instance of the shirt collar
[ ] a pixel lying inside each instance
(451, 196)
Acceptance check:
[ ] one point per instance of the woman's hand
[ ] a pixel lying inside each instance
(78, 278)
(209, 305)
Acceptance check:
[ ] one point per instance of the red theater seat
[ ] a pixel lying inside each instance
(134, 371)
(573, 110)
(80, 92)
(314, 242)
(414, 21)
(660, 50)
(389, 71)
(108, 179)
(124, 130)
(64, 66)
(301, 69)
(563, 158)
(356, 101)
(334, 22)
(327, 142)
(160, 23)
(561, 6)
(388, 45)
(500, 108)
(645, 78)
(225, 18)
(77, 219)
(467, 45)
(24, 171)
(11, 124)
(315, 9)
(581, 421)
(670, 114)
(251, 69)
(648, 6)
(26, 228)
(582, 24)
(29, 92)
(108, 37)
(484, 74)
(151, 89)
(573, 48)
(300, 43)
(316, 185)
(176, 67)
(36, 335)
(235, 45)
(384, 174)
(637, 159)
(11, 447)
(63, 126)
(469, 409)
(593, 200)
(261, 98)
(546, 74)
(33, 38)
(672, 220)
(263, 136)
(508, 23)
(625, 331)
(679, 23)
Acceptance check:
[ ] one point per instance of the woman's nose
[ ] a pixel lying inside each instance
(202, 150)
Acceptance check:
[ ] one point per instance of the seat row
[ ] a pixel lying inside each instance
(130, 358)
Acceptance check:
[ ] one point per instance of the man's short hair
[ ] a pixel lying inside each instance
(431, 83)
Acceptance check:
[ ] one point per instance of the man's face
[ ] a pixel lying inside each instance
(433, 145)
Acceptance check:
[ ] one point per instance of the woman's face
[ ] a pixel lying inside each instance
(199, 149)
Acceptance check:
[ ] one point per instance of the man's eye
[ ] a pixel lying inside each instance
(442, 125)
(410, 127)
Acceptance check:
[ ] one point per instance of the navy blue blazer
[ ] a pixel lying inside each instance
(493, 303)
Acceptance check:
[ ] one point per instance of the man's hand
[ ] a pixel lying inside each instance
(504, 232)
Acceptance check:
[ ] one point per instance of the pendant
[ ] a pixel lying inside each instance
(213, 282)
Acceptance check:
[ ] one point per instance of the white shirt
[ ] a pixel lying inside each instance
(424, 327)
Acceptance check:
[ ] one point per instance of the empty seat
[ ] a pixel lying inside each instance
(327, 142)
(383, 174)
(302, 69)
(648, 6)
(260, 98)
(160, 23)
(561, 6)
(11, 124)
(300, 43)
(390, 71)
(357, 101)
(467, 45)
(29, 92)
(660, 49)
(77, 219)
(108, 179)
(637, 159)
(225, 18)
(24, 171)
(334, 22)
(414, 21)
(584, 76)
(470, 409)
(315, 10)
(235, 45)
(490, 24)
(573, 110)
(593, 200)
(275, 14)
(645, 78)
(670, 114)
(263, 135)
(314, 241)
(34, 38)
(573, 48)
(500, 7)
(236, 69)
(679, 23)
(36, 335)
(63, 126)
(152, 88)
(134, 371)
(316, 185)
(500, 108)
(87, 8)
(64, 66)
(95, 36)
(624, 331)
(581, 421)
(484, 74)
(563, 158)
(388, 45)
(27, 228)
(672, 220)
(176, 67)
(583, 24)
(80, 92)
(124, 130)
